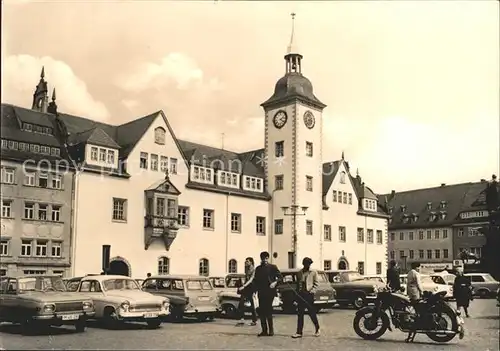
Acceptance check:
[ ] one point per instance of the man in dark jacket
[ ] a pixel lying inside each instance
(393, 280)
(265, 278)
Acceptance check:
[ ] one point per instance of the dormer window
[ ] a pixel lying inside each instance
(160, 135)
(228, 179)
(370, 205)
(432, 216)
(202, 174)
(415, 217)
(442, 214)
(403, 208)
(101, 156)
(253, 184)
(390, 209)
(28, 127)
(443, 204)
(429, 206)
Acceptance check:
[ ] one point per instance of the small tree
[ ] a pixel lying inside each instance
(490, 261)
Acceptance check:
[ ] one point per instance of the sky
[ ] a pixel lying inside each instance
(411, 88)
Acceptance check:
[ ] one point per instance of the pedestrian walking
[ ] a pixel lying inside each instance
(247, 294)
(393, 280)
(307, 284)
(462, 291)
(265, 278)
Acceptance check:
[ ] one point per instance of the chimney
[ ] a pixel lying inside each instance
(443, 184)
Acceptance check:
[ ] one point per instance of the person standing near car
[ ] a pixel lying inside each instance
(247, 294)
(307, 284)
(462, 291)
(393, 280)
(265, 278)
(413, 283)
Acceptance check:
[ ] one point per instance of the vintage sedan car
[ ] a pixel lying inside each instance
(483, 284)
(325, 296)
(429, 285)
(119, 299)
(352, 288)
(376, 278)
(190, 296)
(41, 301)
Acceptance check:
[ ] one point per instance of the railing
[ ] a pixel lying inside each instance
(166, 223)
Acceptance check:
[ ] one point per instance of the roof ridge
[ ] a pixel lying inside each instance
(139, 119)
(197, 145)
(434, 187)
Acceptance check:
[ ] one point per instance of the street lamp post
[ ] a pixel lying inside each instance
(294, 211)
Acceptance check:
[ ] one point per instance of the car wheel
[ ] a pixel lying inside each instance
(110, 319)
(229, 311)
(154, 324)
(202, 318)
(80, 326)
(359, 301)
(483, 293)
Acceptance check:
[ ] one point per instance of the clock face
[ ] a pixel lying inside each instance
(309, 119)
(280, 119)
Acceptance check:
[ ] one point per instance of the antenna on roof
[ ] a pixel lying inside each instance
(222, 141)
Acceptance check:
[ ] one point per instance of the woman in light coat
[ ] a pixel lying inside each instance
(413, 283)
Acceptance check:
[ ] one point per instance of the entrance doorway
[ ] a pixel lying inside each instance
(118, 267)
(342, 265)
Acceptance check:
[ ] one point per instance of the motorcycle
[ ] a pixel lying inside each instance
(437, 318)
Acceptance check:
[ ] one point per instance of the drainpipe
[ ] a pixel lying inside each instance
(227, 231)
(366, 246)
(74, 220)
(271, 231)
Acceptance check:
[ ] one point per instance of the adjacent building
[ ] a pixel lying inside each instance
(434, 225)
(36, 190)
(166, 205)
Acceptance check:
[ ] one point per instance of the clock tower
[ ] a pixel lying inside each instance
(293, 147)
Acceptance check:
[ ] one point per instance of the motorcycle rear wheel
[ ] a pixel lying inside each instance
(442, 338)
(362, 315)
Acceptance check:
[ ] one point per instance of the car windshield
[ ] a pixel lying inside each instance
(322, 278)
(426, 279)
(353, 276)
(218, 282)
(235, 282)
(120, 284)
(198, 285)
(488, 278)
(41, 284)
(438, 279)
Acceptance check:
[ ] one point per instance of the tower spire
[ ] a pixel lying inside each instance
(293, 58)
(54, 95)
(42, 74)
(292, 49)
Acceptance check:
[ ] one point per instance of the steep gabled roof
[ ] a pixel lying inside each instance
(95, 136)
(129, 134)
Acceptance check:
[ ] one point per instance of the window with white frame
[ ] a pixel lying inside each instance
(42, 212)
(163, 164)
(232, 266)
(229, 179)
(102, 155)
(7, 208)
(350, 199)
(55, 151)
(8, 175)
(5, 144)
(41, 248)
(34, 272)
(56, 181)
(111, 157)
(94, 153)
(342, 234)
(208, 219)
(278, 182)
(45, 150)
(236, 222)
(334, 195)
(56, 249)
(253, 183)
(163, 265)
(43, 179)
(369, 236)
(143, 160)
(309, 149)
(56, 213)
(309, 227)
(380, 239)
(378, 268)
(26, 246)
(344, 197)
(202, 174)
(183, 216)
(279, 149)
(4, 248)
(160, 136)
(154, 162)
(173, 165)
(327, 232)
(29, 178)
(29, 210)
(309, 183)
(13, 145)
(260, 225)
(119, 209)
(204, 267)
(361, 235)
(278, 226)
(327, 265)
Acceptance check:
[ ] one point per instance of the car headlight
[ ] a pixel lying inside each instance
(375, 288)
(125, 305)
(48, 308)
(87, 305)
(166, 304)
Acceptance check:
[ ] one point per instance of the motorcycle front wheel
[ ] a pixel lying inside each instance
(369, 325)
(446, 320)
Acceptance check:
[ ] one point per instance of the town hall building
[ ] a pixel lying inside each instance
(166, 205)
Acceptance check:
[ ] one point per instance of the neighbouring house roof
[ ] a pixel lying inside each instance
(420, 204)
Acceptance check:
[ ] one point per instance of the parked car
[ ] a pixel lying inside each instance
(42, 300)
(443, 278)
(190, 296)
(287, 288)
(429, 285)
(119, 299)
(139, 282)
(483, 284)
(218, 283)
(376, 278)
(352, 288)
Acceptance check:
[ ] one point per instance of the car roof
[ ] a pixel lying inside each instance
(296, 270)
(180, 277)
(340, 271)
(105, 277)
(476, 274)
(34, 276)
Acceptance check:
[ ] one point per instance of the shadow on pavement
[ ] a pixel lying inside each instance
(16, 329)
(402, 341)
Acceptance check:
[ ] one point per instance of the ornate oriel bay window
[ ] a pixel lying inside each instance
(161, 218)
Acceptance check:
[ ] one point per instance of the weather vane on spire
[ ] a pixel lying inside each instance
(291, 47)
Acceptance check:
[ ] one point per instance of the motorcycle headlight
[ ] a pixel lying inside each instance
(87, 305)
(166, 304)
(435, 289)
(375, 288)
(48, 308)
(125, 305)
